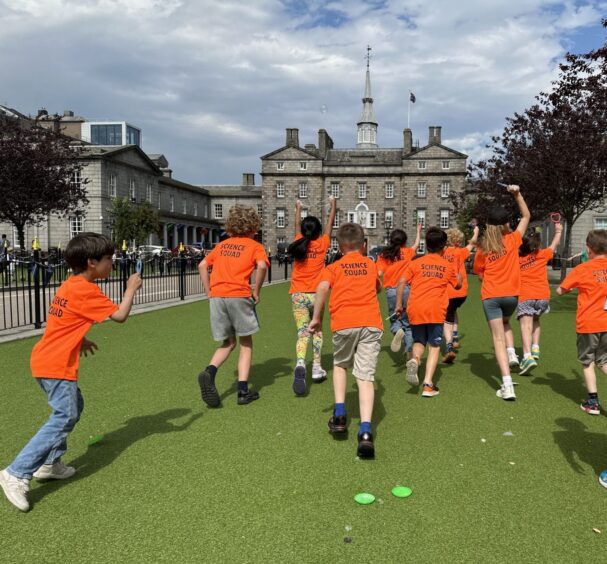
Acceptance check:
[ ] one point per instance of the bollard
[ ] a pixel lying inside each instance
(36, 274)
(270, 269)
(182, 261)
(286, 269)
(123, 268)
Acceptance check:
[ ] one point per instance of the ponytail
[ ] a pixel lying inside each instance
(398, 239)
(311, 229)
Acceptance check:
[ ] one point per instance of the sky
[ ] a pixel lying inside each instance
(213, 85)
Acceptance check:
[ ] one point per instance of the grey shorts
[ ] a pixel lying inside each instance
(592, 347)
(498, 308)
(358, 347)
(233, 317)
(534, 308)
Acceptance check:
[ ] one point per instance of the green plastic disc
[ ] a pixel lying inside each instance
(95, 439)
(364, 498)
(401, 491)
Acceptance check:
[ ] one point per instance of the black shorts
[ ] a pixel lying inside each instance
(454, 305)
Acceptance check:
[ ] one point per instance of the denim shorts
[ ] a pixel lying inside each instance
(428, 333)
(498, 308)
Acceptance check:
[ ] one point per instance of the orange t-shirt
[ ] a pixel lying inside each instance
(233, 261)
(457, 256)
(77, 304)
(393, 270)
(500, 271)
(306, 273)
(590, 278)
(534, 275)
(430, 277)
(353, 302)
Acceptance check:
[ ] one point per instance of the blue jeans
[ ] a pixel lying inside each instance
(50, 443)
(401, 322)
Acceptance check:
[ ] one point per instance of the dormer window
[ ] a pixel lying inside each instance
(280, 165)
(303, 165)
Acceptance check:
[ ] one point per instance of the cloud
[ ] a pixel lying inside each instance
(214, 84)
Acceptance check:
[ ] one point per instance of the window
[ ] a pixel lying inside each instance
(372, 220)
(109, 134)
(196, 209)
(336, 221)
(444, 219)
(421, 165)
(445, 189)
(303, 165)
(280, 241)
(421, 218)
(600, 222)
(159, 200)
(421, 189)
(148, 193)
(259, 210)
(76, 225)
(304, 213)
(111, 186)
(422, 247)
(184, 206)
(133, 136)
(280, 218)
(76, 179)
(389, 190)
(218, 211)
(280, 189)
(335, 189)
(303, 189)
(280, 165)
(389, 219)
(334, 244)
(362, 190)
(172, 203)
(132, 190)
(446, 165)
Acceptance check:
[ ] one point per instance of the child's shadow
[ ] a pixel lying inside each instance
(570, 388)
(580, 446)
(485, 367)
(114, 443)
(262, 375)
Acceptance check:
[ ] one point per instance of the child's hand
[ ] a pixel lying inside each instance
(298, 205)
(134, 282)
(558, 227)
(315, 326)
(88, 347)
(513, 189)
(419, 227)
(398, 310)
(255, 296)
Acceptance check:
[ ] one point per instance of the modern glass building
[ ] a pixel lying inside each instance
(111, 133)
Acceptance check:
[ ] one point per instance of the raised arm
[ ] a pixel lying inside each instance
(472, 243)
(418, 237)
(133, 284)
(558, 231)
(331, 217)
(523, 224)
(297, 217)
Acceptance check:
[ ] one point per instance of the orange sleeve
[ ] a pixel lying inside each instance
(453, 275)
(465, 254)
(516, 237)
(95, 305)
(572, 280)
(381, 265)
(260, 255)
(326, 242)
(548, 253)
(479, 263)
(210, 258)
(328, 275)
(409, 273)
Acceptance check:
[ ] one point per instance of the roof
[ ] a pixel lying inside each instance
(10, 112)
(311, 153)
(101, 151)
(420, 149)
(364, 157)
(232, 190)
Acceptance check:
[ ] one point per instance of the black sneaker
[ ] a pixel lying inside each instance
(247, 397)
(337, 424)
(208, 391)
(365, 446)
(299, 381)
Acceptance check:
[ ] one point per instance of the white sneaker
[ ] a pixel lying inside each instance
(318, 374)
(506, 393)
(397, 340)
(15, 490)
(412, 366)
(56, 471)
(513, 360)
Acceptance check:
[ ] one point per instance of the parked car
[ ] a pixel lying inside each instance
(151, 250)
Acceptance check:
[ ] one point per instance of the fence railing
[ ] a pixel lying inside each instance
(28, 282)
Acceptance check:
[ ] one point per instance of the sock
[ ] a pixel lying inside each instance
(365, 427)
(449, 347)
(507, 380)
(243, 386)
(301, 362)
(510, 350)
(526, 355)
(455, 336)
(535, 346)
(340, 409)
(593, 396)
(212, 370)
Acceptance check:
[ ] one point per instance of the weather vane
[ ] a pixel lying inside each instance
(368, 55)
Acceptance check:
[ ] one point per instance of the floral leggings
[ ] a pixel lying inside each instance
(303, 308)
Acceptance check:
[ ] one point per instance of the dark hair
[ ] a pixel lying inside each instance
(4, 235)
(311, 229)
(398, 238)
(498, 216)
(436, 240)
(87, 246)
(351, 236)
(532, 241)
(597, 241)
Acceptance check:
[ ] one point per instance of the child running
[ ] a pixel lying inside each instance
(308, 251)
(496, 262)
(457, 255)
(534, 297)
(429, 277)
(590, 278)
(231, 301)
(391, 263)
(357, 329)
(55, 360)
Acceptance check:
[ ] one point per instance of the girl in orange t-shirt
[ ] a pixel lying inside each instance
(534, 298)
(391, 264)
(308, 251)
(496, 263)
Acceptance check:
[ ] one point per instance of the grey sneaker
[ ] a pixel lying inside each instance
(412, 367)
(397, 340)
(506, 393)
(318, 374)
(513, 360)
(15, 490)
(56, 471)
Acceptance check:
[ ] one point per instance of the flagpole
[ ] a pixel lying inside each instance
(409, 112)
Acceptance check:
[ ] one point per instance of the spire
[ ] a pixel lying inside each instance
(367, 126)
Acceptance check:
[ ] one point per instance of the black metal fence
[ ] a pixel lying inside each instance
(29, 282)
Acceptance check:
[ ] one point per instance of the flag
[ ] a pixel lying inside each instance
(412, 97)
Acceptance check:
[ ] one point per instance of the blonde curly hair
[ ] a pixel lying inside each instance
(455, 238)
(242, 221)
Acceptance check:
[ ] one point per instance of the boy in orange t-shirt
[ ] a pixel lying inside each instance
(430, 278)
(231, 301)
(78, 303)
(357, 329)
(590, 278)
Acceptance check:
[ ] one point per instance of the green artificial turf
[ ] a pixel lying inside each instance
(173, 481)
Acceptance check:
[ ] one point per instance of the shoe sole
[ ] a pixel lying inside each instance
(602, 482)
(299, 381)
(590, 411)
(527, 369)
(511, 398)
(429, 394)
(3, 486)
(397, 341)
(246, 400)
(513, 364)
(365, 450)
(449, 358)
(337, 428)
(208, 391)
(412, 377)
(318, 379)
(53, 476)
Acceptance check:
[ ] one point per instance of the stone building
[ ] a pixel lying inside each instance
(379, 188)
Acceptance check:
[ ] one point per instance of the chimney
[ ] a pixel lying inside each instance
(248, 179)
(434, 135)
(292, 138)
(68, 113)
(42, 112)
(324, 143)
(408, 141)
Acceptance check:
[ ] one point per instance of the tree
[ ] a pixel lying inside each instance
(40, 174)
(147, 221)
(133, 223)
(557, 149)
